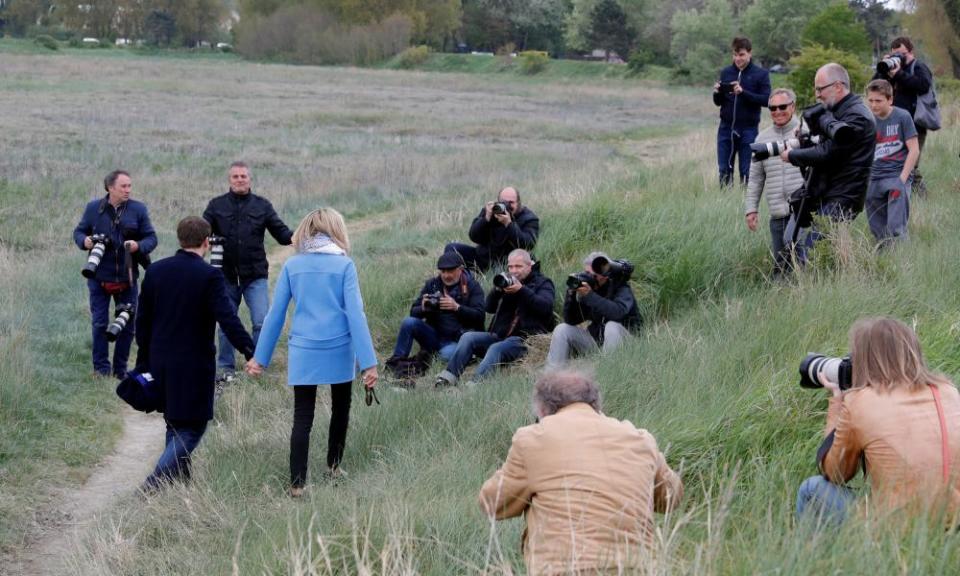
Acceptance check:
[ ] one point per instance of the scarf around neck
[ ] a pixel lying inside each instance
(321, 244)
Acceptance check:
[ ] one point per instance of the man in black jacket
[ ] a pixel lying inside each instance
(182, 300)
(522, 305)
(607, 301)
(448, 305)
(241, 218)
(501, 227)
(841, 168)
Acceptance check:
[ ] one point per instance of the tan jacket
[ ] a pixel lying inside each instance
(588, 485)
(898, 433)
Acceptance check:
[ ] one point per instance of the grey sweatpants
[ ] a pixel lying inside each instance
(567, 338)
(888, 208)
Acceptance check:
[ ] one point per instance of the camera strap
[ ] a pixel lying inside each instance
(944, 444)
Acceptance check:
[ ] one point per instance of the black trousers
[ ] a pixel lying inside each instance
(304, 403)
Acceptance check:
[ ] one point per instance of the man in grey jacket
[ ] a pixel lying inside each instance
(773, 176)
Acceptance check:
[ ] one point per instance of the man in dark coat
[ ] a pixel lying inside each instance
(500, 228)
(242, 218)
(181, 301)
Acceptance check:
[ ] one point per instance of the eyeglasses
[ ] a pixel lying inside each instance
(371, 397)
(819, 89)
(781, 107)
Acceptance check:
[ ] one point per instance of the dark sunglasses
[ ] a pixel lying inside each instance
(780, 107)
(371, 397)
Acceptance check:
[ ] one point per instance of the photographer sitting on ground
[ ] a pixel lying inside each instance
(448, 305)
(898, 417)
(603, 297)
(501, 227)
(587, 484)
(522, 305)
(841, 167)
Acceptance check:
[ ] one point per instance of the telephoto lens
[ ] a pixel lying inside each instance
(96, 254)
(122, 315)
(502, 280)
(839, 370)
(575, 280)
(889, 63)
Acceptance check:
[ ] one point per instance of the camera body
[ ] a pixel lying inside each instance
(616, 269)
(122, 316)
(503, 280)
(726, 87)
(823, 124)
(575, 280)
(839, 370)
(216, 250)
(887, 64)
(100, 244)
(432, 301)
(500, 208)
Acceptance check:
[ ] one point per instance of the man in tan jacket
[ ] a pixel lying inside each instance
(587, 484)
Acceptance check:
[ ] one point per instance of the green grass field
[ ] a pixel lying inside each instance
(608, 163)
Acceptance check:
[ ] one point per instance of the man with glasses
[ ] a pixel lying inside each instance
(841, 170)
(501, 227)
(775, 177)
(607, 303)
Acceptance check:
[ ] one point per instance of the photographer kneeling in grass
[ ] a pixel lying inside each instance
(587, 484)
(897, 420)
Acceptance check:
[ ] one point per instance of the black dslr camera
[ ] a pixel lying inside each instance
(575, 280)
(889, 63)
(503, 280)
(839, 370)
(100, 244)
(122, 316)
(615, 269)
(216, 250)
(500, 208)
(823, 124)
(432, 301)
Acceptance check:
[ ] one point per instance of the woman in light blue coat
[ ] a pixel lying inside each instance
(328, 336)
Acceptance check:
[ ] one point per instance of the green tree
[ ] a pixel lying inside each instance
(197, 20)
(879, 21)
(20, 15)
(837, 26)
(774, 27)
(159, 28)
(938, 23)
(805, 64)
(579, 20)
(609, 29)
(701, 40)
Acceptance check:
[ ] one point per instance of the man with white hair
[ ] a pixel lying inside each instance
(587, 484)
(601, 296)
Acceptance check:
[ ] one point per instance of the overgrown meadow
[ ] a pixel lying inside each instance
(623, 166)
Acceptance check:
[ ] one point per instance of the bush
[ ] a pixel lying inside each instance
(47, 42)
(805, 64)
(533, 61)
(413, 56)
(639, 60)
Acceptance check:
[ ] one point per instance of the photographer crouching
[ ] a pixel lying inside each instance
(602, 295)
(119, 236)
(837, 162)
(501, 227)
(891, 415)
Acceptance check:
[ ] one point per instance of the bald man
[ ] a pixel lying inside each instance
(502, 226)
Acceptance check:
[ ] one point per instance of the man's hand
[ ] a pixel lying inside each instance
(513, 288)
(785, 155)
(737, 88)
(893, 71)
(752, 221)
(583, 290)
(253, 367)
(131, 246)
(503, 219)
(448, 303)
(369, 377)
(488, 210)
(716, 86)
(87, 243)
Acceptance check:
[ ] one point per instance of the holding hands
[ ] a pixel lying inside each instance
(253, 367)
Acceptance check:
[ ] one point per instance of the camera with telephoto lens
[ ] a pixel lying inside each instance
(122, 316)
(617, 269)
(889, 63)
(100, 244)
(839, 370)
(760, 151)
(822, 123)
(575, 280)
(216, 250)
(432, 300)
(503, 280)
(499, 208)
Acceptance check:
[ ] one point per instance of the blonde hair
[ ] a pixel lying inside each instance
(886, 354)
(322, 221)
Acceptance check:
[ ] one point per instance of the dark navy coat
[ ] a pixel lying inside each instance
(129, 221)
(181, 301)
(744, 109)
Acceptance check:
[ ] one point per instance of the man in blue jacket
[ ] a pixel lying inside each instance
(182, 300)
(130, 237)
(741, 92)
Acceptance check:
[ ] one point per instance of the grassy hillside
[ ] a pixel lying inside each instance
(409, 157)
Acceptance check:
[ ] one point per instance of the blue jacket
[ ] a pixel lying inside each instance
(329, 335)
(182, 300)
(129, 221)
(748, 105)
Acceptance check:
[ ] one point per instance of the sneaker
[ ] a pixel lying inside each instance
(442, 382)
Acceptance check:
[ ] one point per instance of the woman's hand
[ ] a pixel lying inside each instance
(253, 368)
(829, 384)
(369, 377)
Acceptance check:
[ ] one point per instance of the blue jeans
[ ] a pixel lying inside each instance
(734, 142)
(490, 347)
(426, 336)
(826, 500)
(101, 318)
(174, 463)
(255, 294)
(778, 244)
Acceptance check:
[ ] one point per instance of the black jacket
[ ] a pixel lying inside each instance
(841, 173)
(525, 313)
(909, 82)
(129, 221)
(495, 242)
(748, 105)
(451, 325)
(181, 301)
(613, 302)
(242, 220)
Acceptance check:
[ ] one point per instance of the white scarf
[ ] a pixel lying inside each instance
(321, 244)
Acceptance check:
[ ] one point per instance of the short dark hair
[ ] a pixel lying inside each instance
(881, 86)
(111, 178)
(192, 231)
(741, 43)
(902, 41)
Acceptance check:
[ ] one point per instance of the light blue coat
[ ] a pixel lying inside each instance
(329, 335)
